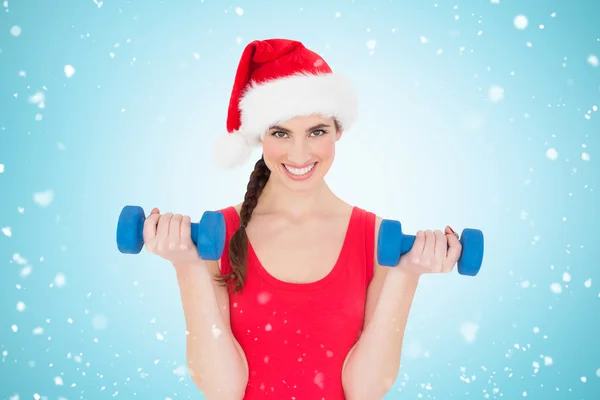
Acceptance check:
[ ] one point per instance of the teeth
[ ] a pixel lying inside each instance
(299, 171)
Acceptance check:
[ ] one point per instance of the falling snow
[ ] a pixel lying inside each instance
(82, 321)
(520, 22)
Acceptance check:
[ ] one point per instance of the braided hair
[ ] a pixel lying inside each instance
(238, 244)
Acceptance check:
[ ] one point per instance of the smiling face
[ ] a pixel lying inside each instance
(300, 151)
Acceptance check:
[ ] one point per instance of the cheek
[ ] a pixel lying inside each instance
(272, 150)
(324, 149)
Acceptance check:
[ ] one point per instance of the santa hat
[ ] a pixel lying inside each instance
(277, 80)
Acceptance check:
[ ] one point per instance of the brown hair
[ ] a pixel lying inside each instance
(238, 244)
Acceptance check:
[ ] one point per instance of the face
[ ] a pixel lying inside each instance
(300, 151)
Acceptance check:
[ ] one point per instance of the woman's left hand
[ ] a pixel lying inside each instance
(433, 252)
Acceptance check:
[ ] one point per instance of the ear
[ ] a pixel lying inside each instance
(338, 134)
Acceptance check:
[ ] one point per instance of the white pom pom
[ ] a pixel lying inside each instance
(231, 149)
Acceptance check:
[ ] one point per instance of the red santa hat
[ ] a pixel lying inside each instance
(277, 80)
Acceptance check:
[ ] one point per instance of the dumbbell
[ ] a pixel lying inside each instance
(208, 235)
(392, 243)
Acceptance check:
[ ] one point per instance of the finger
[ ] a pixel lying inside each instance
(149, 229)
(175, 231)
(186, 233)
(450, 231)
(162, 232)
(418, 245)
(428, 250)
(453, 253)
(441, 246)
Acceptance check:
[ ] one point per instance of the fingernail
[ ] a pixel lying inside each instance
(154, 210)
(452, 230)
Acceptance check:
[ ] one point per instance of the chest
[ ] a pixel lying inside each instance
(298, 252)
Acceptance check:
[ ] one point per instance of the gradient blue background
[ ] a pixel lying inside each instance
(135, 124)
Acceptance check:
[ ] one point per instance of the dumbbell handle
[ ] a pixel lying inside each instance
(194, 231)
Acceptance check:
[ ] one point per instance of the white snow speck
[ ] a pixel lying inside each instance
(264, 297)
(60, 280)
(585, 156)
(69, 71)
(268, 328)
(159, 336)
(588, 283)
(239, 11)
(38, 331)
(598, 372)
(593, 60)
(520, 22)
(548, 361)
(99, 322)
(21, 306)
(179, 371)
(14, 328)
(469, 331)
(424, 40)
(496, 93)
(552, 154)
(1, 168)
(58, 381)
(338, 14)
(566, 277)
(7, 231)
(495, 1)
(15, 31)
(38, 98)
(43, 199)
(371, 43)
(319, 380)
(556, 288)
(216, 332)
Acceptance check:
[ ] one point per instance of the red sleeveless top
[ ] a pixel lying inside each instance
(296, 336)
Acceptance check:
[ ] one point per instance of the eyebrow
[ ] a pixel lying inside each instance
(312, 128)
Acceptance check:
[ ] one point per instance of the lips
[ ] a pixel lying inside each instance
(299, 171)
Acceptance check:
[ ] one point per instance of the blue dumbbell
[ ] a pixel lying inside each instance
(392, 243)
(208, 235)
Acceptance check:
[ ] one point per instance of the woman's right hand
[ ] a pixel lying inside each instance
(169, 236)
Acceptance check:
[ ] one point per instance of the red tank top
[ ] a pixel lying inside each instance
(297, 336)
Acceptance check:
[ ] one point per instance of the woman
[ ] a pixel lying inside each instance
(297, 307)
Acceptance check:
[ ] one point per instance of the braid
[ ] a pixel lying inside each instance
(238, 244)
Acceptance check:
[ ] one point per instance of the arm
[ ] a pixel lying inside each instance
(215, 359)
(372, 365)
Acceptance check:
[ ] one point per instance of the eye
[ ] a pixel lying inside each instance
(279, 134)
(318, 132)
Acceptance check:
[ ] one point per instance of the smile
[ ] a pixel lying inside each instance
(300, 172)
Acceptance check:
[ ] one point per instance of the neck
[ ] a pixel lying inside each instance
(277, 198)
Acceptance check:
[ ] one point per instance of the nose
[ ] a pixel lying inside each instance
(300, 152)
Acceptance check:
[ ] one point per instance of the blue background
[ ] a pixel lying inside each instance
(434, 145)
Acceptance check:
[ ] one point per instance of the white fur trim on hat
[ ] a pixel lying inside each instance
(231, 150)
(279, 100)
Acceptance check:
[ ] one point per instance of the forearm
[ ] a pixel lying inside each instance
(216, 363)
(373, 364)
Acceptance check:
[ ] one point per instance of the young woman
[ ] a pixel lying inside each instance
(297, 307)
